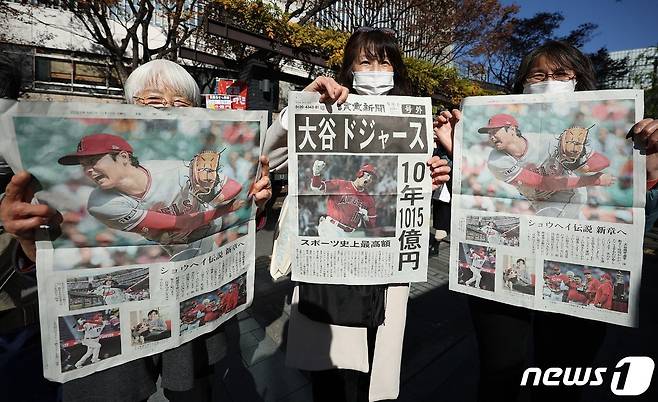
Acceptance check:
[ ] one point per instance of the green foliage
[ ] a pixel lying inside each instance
(428, 79)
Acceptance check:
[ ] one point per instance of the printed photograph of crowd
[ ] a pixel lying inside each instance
(576, 162)
(208, 307)
(107, 289)
(497, 230)
(519, 274)
(47, 143)
(477, 266)
(148, 326)
(347, 195)
(588, 286)
(89, 338)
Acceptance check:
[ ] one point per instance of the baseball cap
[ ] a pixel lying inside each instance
(587, 271)
(367, 168)
(498, 121)
(96, 144)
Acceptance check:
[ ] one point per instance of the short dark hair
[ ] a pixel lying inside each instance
(564, 55)
(151, 312)
(378, 45)
(520, 260)
(133, 159)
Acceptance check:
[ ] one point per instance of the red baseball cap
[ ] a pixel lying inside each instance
(367, 168)
(498, 121)
(96, 144)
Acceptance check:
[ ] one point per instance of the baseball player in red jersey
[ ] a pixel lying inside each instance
(350, 209)
(555, 283)
(592, 285)
(576, 293)
(153, 198)
(229, 300)
(603, 297)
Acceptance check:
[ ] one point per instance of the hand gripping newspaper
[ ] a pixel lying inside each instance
(157, 243)
(548, 203)
(360, 189)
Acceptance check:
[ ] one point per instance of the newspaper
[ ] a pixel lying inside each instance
(548, 203)
(360, 188)
(148, 258)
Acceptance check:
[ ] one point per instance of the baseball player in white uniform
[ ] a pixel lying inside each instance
(153, 198)
(549, 172)
(477, 261)
(92, 331)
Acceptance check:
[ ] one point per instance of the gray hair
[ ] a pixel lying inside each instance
(161, 74)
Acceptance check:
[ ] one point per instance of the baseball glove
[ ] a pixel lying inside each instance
(205, 180)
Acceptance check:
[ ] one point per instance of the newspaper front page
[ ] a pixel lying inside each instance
(157, 243)
(360, 188)
(548, 203)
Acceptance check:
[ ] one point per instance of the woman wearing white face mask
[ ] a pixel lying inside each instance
(350, 337)
(551, 68)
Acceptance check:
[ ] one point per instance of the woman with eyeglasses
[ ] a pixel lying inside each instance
(184, 371)
(350, 337)
(504, 332)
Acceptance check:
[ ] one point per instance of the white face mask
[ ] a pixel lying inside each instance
(372, 82)
(550, 87)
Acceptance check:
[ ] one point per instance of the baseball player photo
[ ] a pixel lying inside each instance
(587, 286)
(166, 201)
(108, 289)
(496, 230)
(518, 274)
(551, 172)
(477, 266)
(347, 196)
(562, 158)
(206, 308)
(149, 326)
(88, 338)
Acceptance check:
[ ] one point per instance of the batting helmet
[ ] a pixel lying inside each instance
(367, 168)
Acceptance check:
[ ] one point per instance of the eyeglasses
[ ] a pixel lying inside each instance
(160, 102)
(559, 75)
(386, 31)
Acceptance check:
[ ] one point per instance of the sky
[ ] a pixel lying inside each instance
(622, 24)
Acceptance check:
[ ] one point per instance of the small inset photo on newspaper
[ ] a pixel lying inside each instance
(148, 326)
(587, 286)
(497, 230)
(85, 339)
(108, 289)
(477, 266)
(208, 307)
(347, 195)
(518, 274)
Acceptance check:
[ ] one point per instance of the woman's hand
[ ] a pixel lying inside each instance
(645, 135)
(330, 91)
(444, 128)
(20, 218)
(262, 189)
(439, 170)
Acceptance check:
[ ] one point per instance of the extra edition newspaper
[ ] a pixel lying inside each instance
(360, 188)
(548, 203)
(157, 242)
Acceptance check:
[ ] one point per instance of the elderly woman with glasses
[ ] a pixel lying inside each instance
(184, 370)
